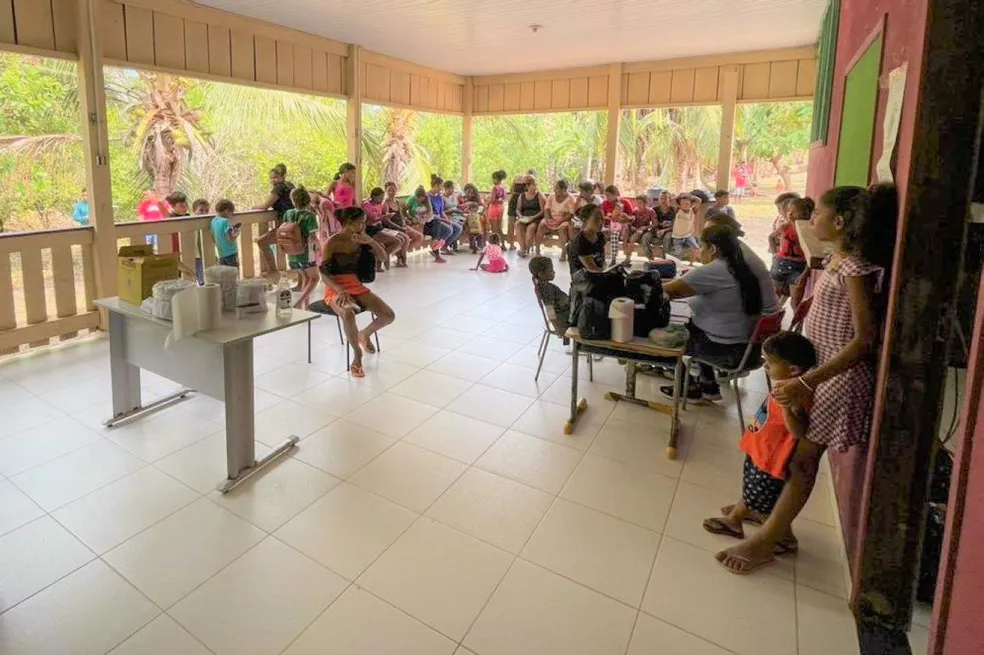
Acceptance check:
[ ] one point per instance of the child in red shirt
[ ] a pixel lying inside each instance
(769, 443)
(640, 221)
(790, 262)
(614, 207)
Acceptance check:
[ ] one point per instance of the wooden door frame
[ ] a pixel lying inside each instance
(931, 227)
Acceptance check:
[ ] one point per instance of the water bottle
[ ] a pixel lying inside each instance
(285, 302)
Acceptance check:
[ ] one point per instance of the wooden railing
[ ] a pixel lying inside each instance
(47, 286)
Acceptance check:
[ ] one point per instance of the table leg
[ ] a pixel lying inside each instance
(631, 368)
(577, 406)
(240, 445)
(126, 379)
(678, 372)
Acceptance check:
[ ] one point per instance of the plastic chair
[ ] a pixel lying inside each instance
(799, 317)
(321, 307)
(765, 327)
(548, 331)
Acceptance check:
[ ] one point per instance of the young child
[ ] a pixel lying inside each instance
(475, 222)
(721, 199)
(790, 262)
(377, 230)
(782, 215)
(843, 326)
(224, 233)
(304, 263)
(201, 207)
(769, 442)
(640, 222)
(176, 204)
(683, 241)
(492, 251)
(556, 303)
(497, 200)
(662, 231)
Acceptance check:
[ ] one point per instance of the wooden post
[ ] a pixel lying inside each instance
(614, 120)
(466, 132)
(353, 116)
(729, 98)
(95, 144)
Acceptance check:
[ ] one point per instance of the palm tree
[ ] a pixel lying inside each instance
(165, 131)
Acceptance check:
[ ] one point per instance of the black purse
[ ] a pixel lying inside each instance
(365, 265)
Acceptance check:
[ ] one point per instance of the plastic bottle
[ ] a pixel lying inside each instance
(285, 301)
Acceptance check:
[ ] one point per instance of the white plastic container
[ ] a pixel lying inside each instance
(622, 314)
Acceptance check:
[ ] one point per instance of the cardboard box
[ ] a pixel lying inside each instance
(138, 269)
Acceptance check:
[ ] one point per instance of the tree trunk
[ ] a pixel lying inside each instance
(783, 171)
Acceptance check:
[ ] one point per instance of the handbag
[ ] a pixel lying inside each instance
(365, 265)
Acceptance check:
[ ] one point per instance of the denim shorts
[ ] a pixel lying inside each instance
(787, 271)
(686, 243)
(299, 266)
(230, 260)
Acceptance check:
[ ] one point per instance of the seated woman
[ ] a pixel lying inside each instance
(344, 291)
(726, 299)
(373, 207)
(440, 211)
(587, 249)
(529, 212)
(418, 211)
(394, 218)
(557, 218)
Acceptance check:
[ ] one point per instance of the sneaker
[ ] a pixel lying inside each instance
(693, 393)
(439, 260)
(709, 392)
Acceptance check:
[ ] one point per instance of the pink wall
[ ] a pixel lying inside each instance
(903, 37)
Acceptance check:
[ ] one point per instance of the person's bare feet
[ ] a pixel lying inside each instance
(746, 557)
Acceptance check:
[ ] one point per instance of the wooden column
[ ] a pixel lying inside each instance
(95, 144)
(467, 104)
(353, 116)
(614, 119)
(729, 98)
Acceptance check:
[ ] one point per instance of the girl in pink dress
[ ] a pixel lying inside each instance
(493, 253)
(843, 325)
(497, 200)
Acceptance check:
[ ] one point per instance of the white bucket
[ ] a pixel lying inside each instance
(622, 314)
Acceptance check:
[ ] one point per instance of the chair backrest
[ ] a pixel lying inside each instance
(765, 327)
(543, 310)
(799, 317)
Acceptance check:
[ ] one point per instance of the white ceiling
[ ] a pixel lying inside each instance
(481, 37)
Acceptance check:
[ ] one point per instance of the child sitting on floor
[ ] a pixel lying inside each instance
(769, 443)
(556, 303)
(492, 251)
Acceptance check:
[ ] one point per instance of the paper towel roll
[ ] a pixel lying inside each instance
(622, 314)
(228, 278)
(195, 310)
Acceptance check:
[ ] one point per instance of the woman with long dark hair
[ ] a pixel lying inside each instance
(726, 298)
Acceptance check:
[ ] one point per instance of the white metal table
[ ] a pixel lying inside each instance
(217, 363)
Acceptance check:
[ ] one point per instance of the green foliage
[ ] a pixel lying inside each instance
(769, 129)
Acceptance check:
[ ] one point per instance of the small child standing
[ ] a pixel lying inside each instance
(201, 207)
(304, 263)
(684, 242)
(790, 261)
(769, 443)
(492, 251)
(556, 303)
(224, 233)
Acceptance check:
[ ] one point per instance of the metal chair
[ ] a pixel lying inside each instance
(321, 307)
(765, 327)
(799, 316)
(548, 331)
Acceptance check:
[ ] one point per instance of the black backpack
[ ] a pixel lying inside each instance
(591, 295)
(652, 310)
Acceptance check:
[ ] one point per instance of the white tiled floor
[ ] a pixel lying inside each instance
(435, 507)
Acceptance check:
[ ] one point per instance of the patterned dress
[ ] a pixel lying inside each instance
(841, 413)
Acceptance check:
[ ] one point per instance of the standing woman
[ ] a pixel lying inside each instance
(342, 188)
(279, 202)
(529, 212)
(344, 291)
(557, 218)
(843, 325)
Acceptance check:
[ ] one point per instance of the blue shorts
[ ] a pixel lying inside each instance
(230, 260)
(686, 243)
(300, 266)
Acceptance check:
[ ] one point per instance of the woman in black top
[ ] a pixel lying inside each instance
(279, 202)
(529, 210)
(587, 249)
(518, 188)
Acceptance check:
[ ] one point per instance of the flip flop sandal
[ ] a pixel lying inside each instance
(717, 526)
(749, 518)
(786, 547)
(749, 566)
(366, 344)
(357, 371)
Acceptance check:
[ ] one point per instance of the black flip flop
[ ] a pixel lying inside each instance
(717, 526)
